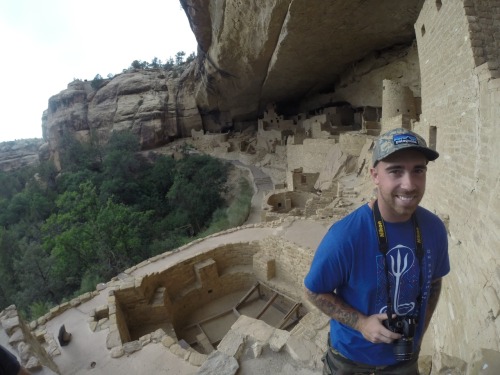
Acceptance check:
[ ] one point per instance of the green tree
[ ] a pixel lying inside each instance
(191, 57)
(197, 188)
(77, 156)
(155, 182)
(137, 64)
(69, 235)
(8, 251)
(107, 209)
(11, 184)
(169, 64)
(31, 205)
(121, 167)
(179, 57)
(86, 236)
(33, 268)
(97, 82)
(155, 63)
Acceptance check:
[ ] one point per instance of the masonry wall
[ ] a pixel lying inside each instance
(458, 52)
(291, 265)
(308, 155)
(185, 291)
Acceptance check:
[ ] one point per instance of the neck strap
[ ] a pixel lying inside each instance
(383, 244)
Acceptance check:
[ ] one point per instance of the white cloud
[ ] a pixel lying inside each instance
(49, 43)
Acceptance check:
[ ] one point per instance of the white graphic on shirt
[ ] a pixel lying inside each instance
(403, 274)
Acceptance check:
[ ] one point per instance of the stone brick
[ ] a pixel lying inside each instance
(278, 340)
(232, 344)
(179, 351)
(197, 359)
(132, 346)
(302, 351)
(168, 341)
(220, 364)
(113, 339)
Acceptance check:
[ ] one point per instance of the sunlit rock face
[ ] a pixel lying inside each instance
(250, 54)
(258, 51)
(149, 103)
(20, 153)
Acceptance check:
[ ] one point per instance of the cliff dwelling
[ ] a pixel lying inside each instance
(198, 300)
(299, 118)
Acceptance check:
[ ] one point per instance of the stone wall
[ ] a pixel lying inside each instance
(458, 51)
(306, 156)
(352, 143)
(30, 352)
(291, 266)
(397, 100)
(185, 287)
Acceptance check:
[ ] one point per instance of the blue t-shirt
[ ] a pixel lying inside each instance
(349, 262)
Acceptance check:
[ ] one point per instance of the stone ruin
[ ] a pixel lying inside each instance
(217, 305)
(455, 108)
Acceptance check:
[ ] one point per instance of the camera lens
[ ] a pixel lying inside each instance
(403, 349)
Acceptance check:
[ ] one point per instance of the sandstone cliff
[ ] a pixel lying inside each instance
(250, 54)
(261, 51)
(150, 103)
(256, 52)
(20, 153)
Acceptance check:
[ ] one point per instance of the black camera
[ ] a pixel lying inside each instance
(403, 347)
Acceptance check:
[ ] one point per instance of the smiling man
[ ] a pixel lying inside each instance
(377, 272)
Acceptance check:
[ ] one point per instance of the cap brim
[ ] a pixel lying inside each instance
(429, 154)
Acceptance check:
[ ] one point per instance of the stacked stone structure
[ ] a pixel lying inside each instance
(454, 69)
(458, 48)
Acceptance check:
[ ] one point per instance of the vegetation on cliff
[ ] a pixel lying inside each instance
(109, 208)
(175, 66)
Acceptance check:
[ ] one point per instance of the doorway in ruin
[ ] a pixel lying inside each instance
(206, 327)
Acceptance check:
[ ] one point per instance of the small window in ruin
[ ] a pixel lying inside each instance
(423, 30)
(303, 179)
(433, 137)
(438, 4)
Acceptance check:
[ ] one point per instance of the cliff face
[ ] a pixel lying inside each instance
(256, 52)
(147, 102)
(20, 153)
(250, 53)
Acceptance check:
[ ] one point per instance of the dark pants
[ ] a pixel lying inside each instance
(336, 364)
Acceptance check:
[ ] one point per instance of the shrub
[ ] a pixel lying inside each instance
(97, 82)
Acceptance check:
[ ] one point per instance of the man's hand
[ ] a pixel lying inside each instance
(371, 327)
(373, 330)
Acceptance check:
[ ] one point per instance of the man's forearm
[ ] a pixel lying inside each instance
(434, 293)
(335, 307)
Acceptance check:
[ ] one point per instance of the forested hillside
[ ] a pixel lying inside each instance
(109, 208)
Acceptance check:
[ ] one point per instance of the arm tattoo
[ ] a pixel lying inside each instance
(333, 306)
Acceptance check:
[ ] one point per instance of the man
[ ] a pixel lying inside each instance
(9, 365)
(377, 272)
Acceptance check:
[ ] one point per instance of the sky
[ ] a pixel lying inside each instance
(47, 44)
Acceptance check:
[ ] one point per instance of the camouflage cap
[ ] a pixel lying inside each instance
(400, 139)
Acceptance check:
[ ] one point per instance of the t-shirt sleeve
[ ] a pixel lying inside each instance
(442, 257)
(327, 271)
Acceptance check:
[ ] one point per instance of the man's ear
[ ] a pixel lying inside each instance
(374, 175)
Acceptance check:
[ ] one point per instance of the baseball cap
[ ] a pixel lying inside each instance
(400, 139)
